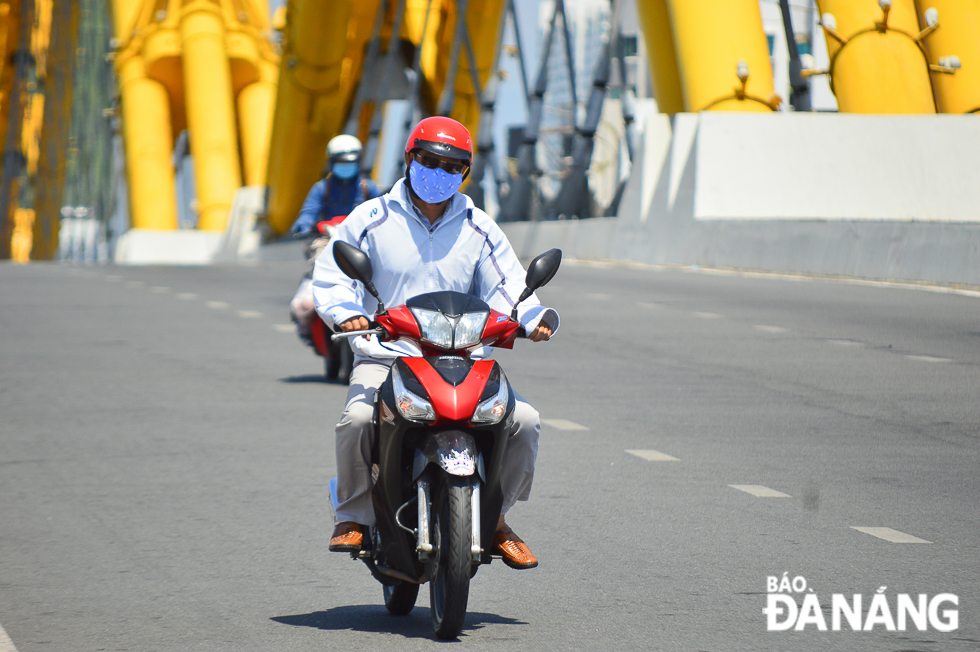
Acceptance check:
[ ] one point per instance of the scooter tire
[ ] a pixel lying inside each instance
(346, 364)
(400, 599)
(332, 361)
(449, 583)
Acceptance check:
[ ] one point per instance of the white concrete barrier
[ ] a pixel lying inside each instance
(885, 197)
(240, 240)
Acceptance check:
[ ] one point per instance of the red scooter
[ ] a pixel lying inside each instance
(337, 356)
(442, 424)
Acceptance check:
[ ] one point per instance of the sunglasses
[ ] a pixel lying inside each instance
(431, 162)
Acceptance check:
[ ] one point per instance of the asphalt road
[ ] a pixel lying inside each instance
(166, 443)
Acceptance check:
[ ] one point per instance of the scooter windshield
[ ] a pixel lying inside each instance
(450, 320)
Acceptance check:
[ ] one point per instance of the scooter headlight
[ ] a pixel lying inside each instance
(469, 329)
(494, 408)
(435, 327)
(409, 404)
(438, 329)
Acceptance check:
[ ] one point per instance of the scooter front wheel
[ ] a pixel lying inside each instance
(449, 571)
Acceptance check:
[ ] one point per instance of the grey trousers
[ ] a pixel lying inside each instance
(355, 439)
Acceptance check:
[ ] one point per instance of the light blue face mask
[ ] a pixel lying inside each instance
(433, 186)
(344, 170)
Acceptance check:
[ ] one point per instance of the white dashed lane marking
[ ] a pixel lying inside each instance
(563, 424)
(160, 289)
(707, 315)
(135, 284)
(770, 329)
(217, 305)
(249, 314)
(759, 491)
(888, 534)
(186, 296)
(927, 358)
(845, 343)
(6, 645)
(284, 328)
(653, 456)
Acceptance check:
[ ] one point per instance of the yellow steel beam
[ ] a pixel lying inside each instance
(876, 64)
(711, 39)
(483, 18)
(256, 103)
(665, 78)
(10, 16)
(958, 35)
(320, 65)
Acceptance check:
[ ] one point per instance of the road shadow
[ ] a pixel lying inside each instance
(375, 619)
(309, 378)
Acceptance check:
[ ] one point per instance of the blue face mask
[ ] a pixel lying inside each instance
(344, 170)
(433, 186)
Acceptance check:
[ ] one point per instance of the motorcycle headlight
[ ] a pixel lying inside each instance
(438, 329)
(409, 404)
(493, 409)
(469, 329)
(435, 327)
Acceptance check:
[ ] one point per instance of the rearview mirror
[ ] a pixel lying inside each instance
(542, 269)
(352, 261)
(355, 263)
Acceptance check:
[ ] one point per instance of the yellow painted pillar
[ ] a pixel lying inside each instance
(255, 105)
(149, 147)
(876, 71)
(710, 40)
(665, 78)
(959, 35)
(210, 112)
(310, 99)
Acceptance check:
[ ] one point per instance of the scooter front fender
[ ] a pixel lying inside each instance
(454, 451)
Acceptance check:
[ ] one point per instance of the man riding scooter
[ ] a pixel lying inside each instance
(328, 202)
(424, 236)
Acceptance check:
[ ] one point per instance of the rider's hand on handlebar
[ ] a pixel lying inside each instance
(542, 332)
(355, 324)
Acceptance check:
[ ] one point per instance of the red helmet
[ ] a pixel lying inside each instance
(442, 137)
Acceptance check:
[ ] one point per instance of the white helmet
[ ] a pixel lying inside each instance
(343, 148)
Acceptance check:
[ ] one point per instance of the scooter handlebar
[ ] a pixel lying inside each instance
(371, 331)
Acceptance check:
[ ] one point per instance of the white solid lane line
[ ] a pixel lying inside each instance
(653, 456)
(888, 534)
(759, 491)
(563, 424)
(6, 645)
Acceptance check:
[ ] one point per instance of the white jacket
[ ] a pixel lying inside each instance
(464, 251)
